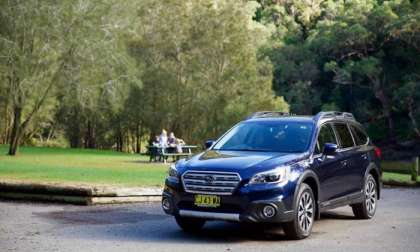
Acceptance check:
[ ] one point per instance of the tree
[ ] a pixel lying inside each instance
(38, 41)
(408, 95)
(347, 55)
(367, 52)
(201, 70)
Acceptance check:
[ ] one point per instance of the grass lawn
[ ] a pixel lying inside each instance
(98, 167)
(397, 166)
(388, 176)
(399, 171)
(80, 166)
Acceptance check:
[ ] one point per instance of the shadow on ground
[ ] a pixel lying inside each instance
(126, 223)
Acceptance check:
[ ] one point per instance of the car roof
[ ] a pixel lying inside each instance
(318, 119)
(303, 119)
(282, 119)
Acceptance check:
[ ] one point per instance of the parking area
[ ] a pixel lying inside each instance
(144, 227)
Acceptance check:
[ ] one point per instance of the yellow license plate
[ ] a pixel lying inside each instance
(207, 200)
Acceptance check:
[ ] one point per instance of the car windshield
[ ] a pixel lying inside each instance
(269, 136)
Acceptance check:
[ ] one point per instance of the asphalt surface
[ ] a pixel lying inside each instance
(143, 227)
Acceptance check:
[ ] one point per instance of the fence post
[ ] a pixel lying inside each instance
(415, 169)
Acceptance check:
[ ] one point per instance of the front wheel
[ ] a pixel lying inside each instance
(367, 208)
(190, 224)
(301, 226)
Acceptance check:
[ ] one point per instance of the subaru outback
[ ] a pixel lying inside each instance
(277, 168)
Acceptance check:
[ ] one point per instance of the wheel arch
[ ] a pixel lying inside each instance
(310, 178)
(374, 171)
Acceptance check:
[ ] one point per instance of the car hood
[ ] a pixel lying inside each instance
(242, 162)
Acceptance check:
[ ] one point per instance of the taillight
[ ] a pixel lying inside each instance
(378, 152)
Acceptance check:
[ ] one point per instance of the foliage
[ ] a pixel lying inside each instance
(201, 72)
(112, 74)
(42, 41)
(358, 56)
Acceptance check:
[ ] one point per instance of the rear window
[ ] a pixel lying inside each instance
(343, 132)
(359, 136)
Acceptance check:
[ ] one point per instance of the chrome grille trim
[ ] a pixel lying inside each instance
(223, 183)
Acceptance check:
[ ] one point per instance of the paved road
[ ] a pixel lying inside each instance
(143, 227)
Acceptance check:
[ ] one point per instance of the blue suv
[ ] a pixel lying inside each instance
(277, 168)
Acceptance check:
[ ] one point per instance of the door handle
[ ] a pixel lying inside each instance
(344, 162)
(364, 156)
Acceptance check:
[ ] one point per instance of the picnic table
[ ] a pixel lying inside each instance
(156, 152)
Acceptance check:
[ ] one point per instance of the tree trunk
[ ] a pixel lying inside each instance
(90, 136)
(386, 106)
(51, 132)
(127, 142)
(16, 131)
(412, 118)
(139, 134)
(387, 110)
(120, 141)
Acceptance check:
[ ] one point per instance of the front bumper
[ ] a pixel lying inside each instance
(240, 207)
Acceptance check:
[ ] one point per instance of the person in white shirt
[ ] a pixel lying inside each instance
(163, 139)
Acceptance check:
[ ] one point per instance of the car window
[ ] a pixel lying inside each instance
(271, 136)
(326, 135)
(343, 132)
(359, 136)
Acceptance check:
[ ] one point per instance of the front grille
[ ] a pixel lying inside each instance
(207, 182)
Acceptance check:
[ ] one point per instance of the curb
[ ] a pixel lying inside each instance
(78, 194)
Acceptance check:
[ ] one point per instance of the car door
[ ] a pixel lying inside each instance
(360, 160)
(328, 168)
(348, 158)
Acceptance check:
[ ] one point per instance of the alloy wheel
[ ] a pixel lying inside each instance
(370, 196)
(306, 212)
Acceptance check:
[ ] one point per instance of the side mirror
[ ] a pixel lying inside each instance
(329, 149)
(208, 143)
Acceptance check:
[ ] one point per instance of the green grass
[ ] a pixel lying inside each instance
(398, 177)
(403, 167)
(80, 166)
(97, 167)
(398, 171)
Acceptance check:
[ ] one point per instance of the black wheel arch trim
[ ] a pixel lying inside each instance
(372, 167)
(312, 175)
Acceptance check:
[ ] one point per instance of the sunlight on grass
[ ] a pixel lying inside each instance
(387, 176)
(81, 166)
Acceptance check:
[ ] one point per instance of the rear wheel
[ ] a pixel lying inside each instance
(301, 226)
(190, 224)
(367, 208)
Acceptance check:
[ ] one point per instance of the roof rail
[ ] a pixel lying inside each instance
(334, 114)
(263, 114)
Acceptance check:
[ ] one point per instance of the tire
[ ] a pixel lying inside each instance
(367, 209)
(301, 226)
(190, 224)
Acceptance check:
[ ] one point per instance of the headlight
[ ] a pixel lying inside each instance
(278, 175)
(172, 172)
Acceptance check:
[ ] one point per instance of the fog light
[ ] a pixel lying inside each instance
(166, 204)
(269, 211)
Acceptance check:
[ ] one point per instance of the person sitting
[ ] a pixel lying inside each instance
(154, 152)
(179, 144)
(172, 140)
(163, 139)
(156, 141)
(163, 143)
